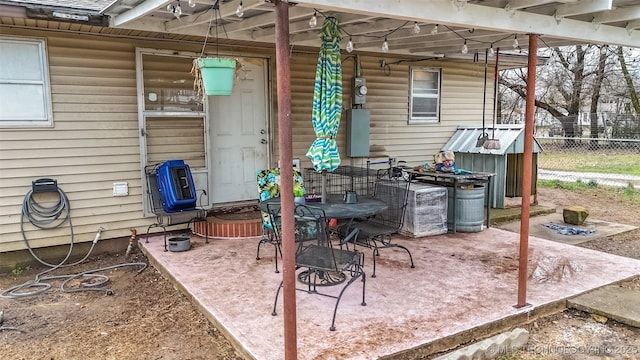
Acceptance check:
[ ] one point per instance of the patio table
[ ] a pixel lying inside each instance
(334, 208)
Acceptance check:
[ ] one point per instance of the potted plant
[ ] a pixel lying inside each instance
(298, 194)
(214, 75)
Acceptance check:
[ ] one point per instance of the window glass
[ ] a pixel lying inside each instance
(168, 84)
(425, 95)
(25, 97)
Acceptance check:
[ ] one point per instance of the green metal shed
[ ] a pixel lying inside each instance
(506, 162)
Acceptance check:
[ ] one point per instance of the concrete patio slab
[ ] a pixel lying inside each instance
(463, 288)
(614, 302)
(536, 228)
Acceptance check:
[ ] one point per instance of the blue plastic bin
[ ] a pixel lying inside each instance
(176, 186)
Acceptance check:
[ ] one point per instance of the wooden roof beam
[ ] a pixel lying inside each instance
(582, 7)
(621, 14)
(476, 15)
(226, 10)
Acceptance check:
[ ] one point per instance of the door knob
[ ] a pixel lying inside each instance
(262, 132)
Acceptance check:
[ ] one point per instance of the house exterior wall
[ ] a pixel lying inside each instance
(94, 138)
(388, 102)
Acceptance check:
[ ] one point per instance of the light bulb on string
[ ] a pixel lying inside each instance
(170, 8)
(350, 46)
(515, 42)
(434, 30)
(465, 48)
(491, 51)
(192, 3)
(385, 45)
(416, 28)
(314, 20)
(239, 10)
(178, 11)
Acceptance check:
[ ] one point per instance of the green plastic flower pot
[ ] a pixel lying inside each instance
(217, 75)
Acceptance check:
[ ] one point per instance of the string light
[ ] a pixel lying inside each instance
(314, 20)
(192, 3)
(491, 51)
(350, 45)
(385, 45)
(434, 30)
(416, 28)
(465, 48)
(515, 42)
(239, 10)
(176, 10)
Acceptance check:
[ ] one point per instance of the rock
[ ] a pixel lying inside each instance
(599, 318)
(575, 215)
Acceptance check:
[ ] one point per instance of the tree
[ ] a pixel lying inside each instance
(573, 80)
(595, 94)
(634, 131)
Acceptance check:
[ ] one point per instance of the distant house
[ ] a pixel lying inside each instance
(91, 92)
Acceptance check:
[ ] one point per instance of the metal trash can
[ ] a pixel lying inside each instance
(469, 208)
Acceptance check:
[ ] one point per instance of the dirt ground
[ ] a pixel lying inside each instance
(146, 318)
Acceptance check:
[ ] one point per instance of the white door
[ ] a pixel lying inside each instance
(239, 135)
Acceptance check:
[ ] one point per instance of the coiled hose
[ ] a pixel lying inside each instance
(51, 217)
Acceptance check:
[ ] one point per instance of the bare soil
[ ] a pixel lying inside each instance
(146, 318)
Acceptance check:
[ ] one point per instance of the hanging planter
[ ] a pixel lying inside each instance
(214, 75)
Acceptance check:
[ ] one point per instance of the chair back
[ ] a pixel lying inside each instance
(268, 182)
(311, 226)
(394, 192)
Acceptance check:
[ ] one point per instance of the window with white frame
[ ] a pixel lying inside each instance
(424, 103)
(25, 98)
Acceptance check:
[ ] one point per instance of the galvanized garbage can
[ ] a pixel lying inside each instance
(469, 208)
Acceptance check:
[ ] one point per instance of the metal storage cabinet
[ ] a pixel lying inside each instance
(426, 212)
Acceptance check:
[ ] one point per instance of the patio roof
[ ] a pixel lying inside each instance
(481, 24)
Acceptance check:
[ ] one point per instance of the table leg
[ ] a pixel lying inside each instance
(455, 202)
(489, 202)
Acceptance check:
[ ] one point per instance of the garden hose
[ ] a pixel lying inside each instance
(51, 217)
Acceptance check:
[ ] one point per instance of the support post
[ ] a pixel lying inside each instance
(283, 75)
(526, 171)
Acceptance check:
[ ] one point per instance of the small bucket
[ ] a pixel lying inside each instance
(180, 243)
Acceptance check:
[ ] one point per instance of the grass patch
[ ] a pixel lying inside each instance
(627, 194)
(591, 162)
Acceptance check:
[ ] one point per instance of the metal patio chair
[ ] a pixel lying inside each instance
(321, 264)
(376, 232)
(268, 182)
(164, 218)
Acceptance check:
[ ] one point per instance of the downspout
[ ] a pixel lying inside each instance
(527, 171)
(283, 80)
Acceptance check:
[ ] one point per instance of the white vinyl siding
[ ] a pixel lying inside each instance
(25, 97)
(425, 95)
(170, 138)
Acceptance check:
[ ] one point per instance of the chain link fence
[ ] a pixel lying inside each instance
(611, 162)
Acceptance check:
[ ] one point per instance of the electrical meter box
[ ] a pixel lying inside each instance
(358, 122)
(359, 91)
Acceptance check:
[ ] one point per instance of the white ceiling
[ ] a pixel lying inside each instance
(481, 23)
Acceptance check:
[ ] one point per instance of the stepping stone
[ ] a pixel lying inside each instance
(613, 301)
